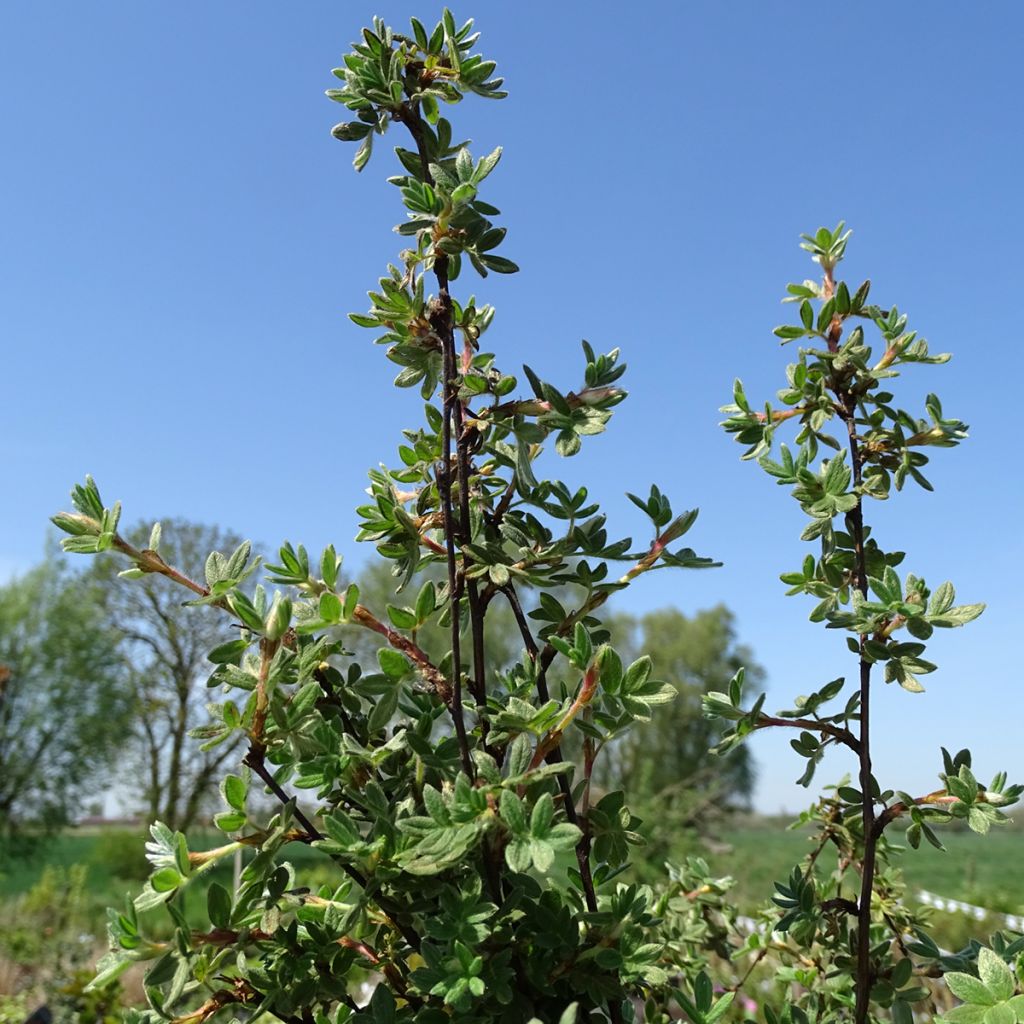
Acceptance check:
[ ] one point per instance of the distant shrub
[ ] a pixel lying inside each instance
(120, 853)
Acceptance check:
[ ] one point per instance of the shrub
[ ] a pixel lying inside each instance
(473, 868)
(120, 853)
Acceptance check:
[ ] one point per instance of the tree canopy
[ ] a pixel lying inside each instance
(65, 695)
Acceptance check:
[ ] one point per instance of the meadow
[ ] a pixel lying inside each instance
(986, 871)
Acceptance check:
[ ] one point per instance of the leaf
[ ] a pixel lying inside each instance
(958, 616)
(166, 880)
(229, 821)
(969, 989)
(636, 675)
(401, 618)
(110, 967)
(304, 700)
(384, 709)
(540, 817)
(393, 664)
(426, 601)
(330, 606)
(520, 753)
(363, 153)
(512, 811)
(234, 791)
(229, 653)
(435, 806)
(995, 974)
(1001, 1013)
(518, 855)
(498, 264)
(542, 854)
(721, 1005)
(218, 905)
(339, 827)
(966, 1014)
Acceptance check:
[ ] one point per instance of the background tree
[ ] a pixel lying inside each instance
(680, 787)
(64, 695)
(167, 641)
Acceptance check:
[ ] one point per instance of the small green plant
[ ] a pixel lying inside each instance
(855, 444)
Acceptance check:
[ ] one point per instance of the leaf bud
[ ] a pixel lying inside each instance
(279, 618)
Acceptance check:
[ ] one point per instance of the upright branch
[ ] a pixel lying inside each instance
(854, 580)
(441, 320)
(844, 389)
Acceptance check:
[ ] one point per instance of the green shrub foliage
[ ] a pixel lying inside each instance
(475, 876)
(852, 444)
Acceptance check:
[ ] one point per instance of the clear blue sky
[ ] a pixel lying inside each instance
(182, 239)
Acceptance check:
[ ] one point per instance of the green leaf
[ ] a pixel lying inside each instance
(229, 821)
(363, 153)
(966, 1014)
(542, 854)
(229, 653)
(969, 989)
(540, 817)
(995, 974)
(512, 811)
(520, 753)
(401, 618)
(166, 879)
(392, 663)
(218, 905)
(1001, 1013)
(958, 616)
(330, 607)
(304, 699)
(498, 264)
(426, 601)
(234, 791)
(518, 855)
(384, 709)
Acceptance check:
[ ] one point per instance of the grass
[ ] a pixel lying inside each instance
(985, 870)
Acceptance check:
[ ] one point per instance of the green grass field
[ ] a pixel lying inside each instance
(987, 871)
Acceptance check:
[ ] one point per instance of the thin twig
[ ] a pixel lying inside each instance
(255, 760)
(840, 735)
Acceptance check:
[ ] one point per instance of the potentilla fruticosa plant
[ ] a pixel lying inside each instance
(472, 873)
(855, 950)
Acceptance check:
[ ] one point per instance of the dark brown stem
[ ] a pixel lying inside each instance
(843, 736)
(855, 521)
(256, 761)
(840, 903)
(503, 503)
(441, 321)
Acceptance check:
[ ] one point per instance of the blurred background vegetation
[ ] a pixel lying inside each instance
(100, 678)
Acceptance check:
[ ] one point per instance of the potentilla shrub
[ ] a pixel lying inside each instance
(853, 947)
(475, 875)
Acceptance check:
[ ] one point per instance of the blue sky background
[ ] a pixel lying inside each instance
(182, 239)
